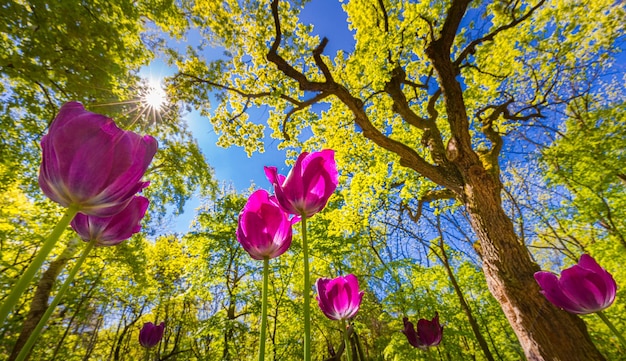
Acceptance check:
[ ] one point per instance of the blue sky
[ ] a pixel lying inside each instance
(233, 164)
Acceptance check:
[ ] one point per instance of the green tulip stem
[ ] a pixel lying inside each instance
(44, 319)
(266, 271)
(610, 325)
(346, 339)
(306, 294)
(28, 275)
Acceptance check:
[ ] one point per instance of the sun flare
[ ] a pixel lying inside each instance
(155, 97)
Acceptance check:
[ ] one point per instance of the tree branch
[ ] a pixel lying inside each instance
(427, 198)
(408, 156)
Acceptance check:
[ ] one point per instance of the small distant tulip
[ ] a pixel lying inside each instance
(90, 163)
(150, 335)
(339, 298)
(264, 229)
(429, 333)
(109, 231)
(583, 288)
(309, 184)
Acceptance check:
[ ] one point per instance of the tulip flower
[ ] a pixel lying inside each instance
(304, 192)
(264, 229)
(109, 231)
(150, 335)
(91, 164)
(339, 298)
(429, 333)
(88, 165)
(309, 184)
(582, 289)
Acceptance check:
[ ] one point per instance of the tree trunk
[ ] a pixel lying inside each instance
(544, 331)
(39, 304)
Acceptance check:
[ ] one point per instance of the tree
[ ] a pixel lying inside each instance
(424, 103)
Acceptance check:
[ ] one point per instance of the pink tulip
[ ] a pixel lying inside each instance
(339, 298)
(90, 163)
(583, 288)
(264, 229)
(150, 335)
(429, 333)
(309, 184)
(109, 231)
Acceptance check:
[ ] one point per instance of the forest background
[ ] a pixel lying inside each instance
(448, 118)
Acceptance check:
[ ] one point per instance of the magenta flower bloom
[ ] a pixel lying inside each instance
(264, 229)
(583, 288)
(150, 335)
(109, 231)
(339, 298)
(308, 185)
(429, 333)
(90, 163)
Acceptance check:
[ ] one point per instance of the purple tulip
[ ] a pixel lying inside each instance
(150, 335)
(90, 163)
(109, 231)
(339, 298)
(264, 229)
(308, 185)
(583, 288)
(429, 333)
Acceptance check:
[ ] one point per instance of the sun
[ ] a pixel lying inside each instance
(150, 102)
(155, 97)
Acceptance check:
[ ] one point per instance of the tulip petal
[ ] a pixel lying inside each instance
(585, 288)
(409, 332)
(551, 289)
(430, 332)
(609, 285)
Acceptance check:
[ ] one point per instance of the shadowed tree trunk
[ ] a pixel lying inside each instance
(39, 304)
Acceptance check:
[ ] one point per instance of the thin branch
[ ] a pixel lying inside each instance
(301, 106)
(471, 47)
(196, 79)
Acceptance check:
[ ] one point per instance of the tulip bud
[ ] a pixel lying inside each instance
(150, 335)
(429, 333)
